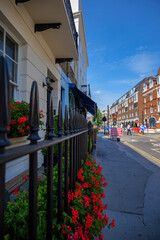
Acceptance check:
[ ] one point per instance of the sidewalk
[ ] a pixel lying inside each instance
(132, 194)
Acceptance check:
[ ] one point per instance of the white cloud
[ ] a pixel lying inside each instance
(140, 48)
(142, 63)
(97, 92)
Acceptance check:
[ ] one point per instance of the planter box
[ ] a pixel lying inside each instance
(18, 141)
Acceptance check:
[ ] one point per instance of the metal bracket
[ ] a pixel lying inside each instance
(21, 1)
(45, 26)
(61, 60)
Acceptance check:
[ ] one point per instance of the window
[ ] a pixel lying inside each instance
(130, 115)
(144, 87)
(132, 106)
(158, 93)
(150, 83)
(158, 106)
(137, 114)
(144, 99)
(126, 103)
(145, 111)
(9, 49)
(136, 105)
(158, 80)
(151, 96)
(151, 109)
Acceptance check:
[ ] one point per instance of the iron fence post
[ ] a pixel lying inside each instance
(33, 137)
(66, 128)
(71, 149)
(49, 135)
(74, 151)
(60, 153)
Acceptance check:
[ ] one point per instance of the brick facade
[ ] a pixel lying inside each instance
(140, 105)
(151, 102)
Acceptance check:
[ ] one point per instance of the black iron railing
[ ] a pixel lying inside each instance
(75, 133)
(71, 19)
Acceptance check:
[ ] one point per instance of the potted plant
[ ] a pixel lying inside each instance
(19, 121)
(95, 131)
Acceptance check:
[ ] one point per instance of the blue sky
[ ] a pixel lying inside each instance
(123, 43)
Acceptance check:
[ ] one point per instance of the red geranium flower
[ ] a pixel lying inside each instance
(16, 190)
(21, 131)
(113, 223)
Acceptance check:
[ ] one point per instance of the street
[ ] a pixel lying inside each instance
(133, 191)
(147, 144)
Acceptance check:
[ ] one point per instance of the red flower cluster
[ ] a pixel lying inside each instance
(80, 177)
(19, 123)
(86, 205)
(25, 178)
(16, 190)
(75, 216)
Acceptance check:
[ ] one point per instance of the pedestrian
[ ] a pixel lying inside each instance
(121, 125)
(129, 130)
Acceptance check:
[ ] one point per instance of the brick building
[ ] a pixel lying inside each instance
(140, 105)
(151, 102)
(128, 108)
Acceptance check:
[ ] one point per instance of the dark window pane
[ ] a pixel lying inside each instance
(12, 69)
(11, 48)
(11, 91)
(1, 38)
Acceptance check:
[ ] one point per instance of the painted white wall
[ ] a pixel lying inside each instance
(82, 47)
(35, 60)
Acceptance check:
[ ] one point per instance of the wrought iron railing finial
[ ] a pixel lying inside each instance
(34, 114)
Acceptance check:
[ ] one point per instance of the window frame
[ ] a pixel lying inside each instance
(17, 84)
(158, 106)
(144, 87)
(151, 94)
(150, 83)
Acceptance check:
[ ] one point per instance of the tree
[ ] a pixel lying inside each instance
(98, 120)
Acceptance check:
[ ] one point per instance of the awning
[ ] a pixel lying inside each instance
(86, 102)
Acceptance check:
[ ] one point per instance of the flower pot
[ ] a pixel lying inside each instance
(18, 141)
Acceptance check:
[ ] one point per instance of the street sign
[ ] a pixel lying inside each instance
(116, 131)
(104, 119)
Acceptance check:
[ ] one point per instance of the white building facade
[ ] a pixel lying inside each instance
(35, 36)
